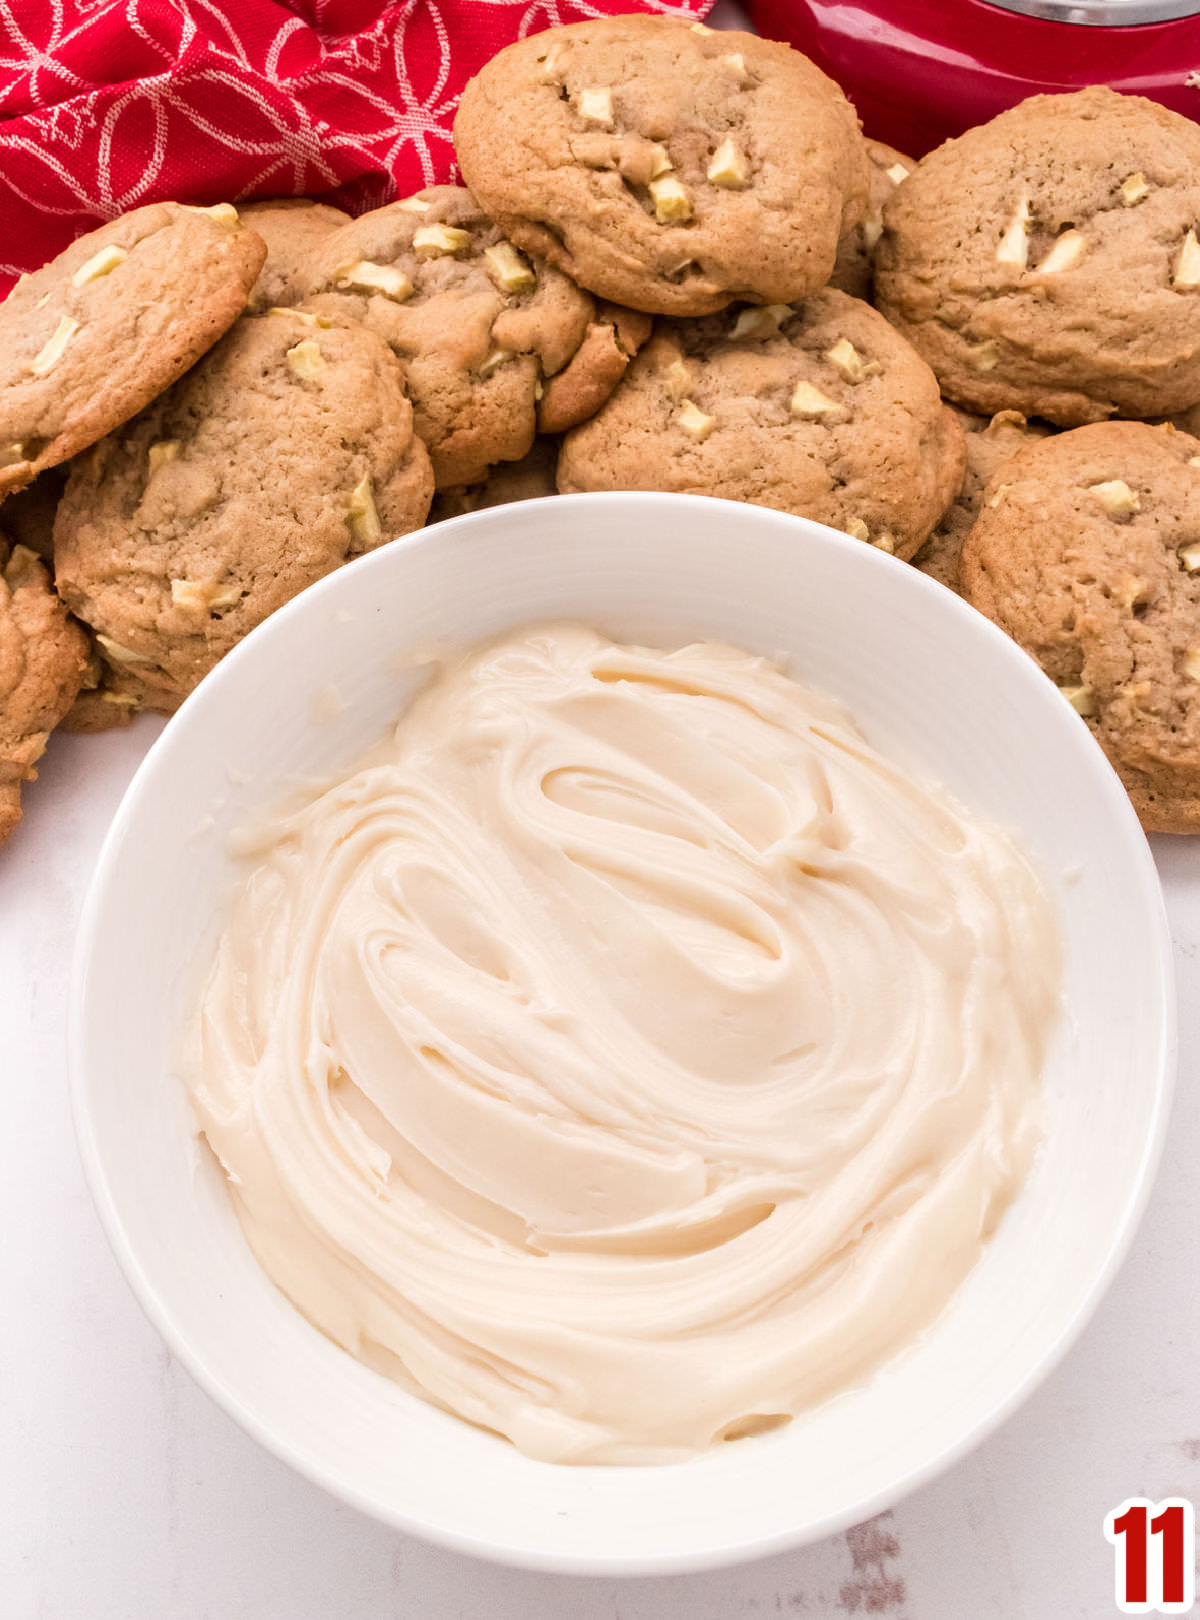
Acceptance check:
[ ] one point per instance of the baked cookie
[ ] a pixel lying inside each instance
(1048, 262)
(43, 659)
(523, 480)
(288, 450)
(291, 227)
(670, 167)
(822, 409)
(1087, 552)
(991, 441)
(27, 515)
(98, 333)
(854, 271)
(494, 344)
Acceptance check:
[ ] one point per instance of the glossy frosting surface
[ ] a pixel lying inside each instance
(627, 1056)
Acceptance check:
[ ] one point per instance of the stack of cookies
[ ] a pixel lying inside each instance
(675, 264)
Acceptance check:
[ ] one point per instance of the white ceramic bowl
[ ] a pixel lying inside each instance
(930, 681)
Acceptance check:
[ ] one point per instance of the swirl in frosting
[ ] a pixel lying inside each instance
(628, 1057)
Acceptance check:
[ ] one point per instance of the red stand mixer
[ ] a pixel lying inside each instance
(921, 70)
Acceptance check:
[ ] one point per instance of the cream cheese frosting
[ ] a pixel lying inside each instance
(628, 1056)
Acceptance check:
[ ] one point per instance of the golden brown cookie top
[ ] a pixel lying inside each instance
(481, 327)
(1086, 551)
(288, 450)
(291, 227)
(43, 661)
(93, 336)
(670, 167)
(821, 409)
(1048, 261)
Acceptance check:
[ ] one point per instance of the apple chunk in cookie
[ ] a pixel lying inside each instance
(1086, 550)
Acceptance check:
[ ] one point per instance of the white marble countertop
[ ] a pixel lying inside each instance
(126, 1495)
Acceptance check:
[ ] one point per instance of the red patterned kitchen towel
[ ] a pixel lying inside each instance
(108, 104)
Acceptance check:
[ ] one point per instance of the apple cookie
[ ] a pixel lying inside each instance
(287, 451)
(96, 334)
(670, 167)
(1086, 551)
(1048, 262)
(822, 409)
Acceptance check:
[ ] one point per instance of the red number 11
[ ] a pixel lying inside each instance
(1155, 1546)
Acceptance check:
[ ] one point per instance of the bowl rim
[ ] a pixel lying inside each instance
(437, 1533)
